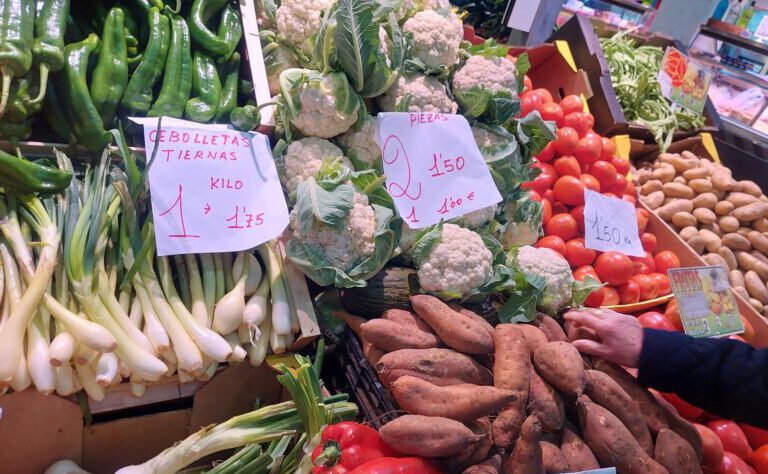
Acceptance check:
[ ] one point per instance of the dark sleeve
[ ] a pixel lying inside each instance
(725, 377)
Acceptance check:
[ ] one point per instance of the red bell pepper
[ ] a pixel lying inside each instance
(398, 466)
(346, 446)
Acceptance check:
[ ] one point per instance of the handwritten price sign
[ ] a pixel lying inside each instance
(433, 166)
(610, 224)
(213, 190)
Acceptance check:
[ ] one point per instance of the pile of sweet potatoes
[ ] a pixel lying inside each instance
(516, 398)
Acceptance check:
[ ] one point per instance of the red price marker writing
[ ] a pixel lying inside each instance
(393, 149)
(441, 166)
(178, 202)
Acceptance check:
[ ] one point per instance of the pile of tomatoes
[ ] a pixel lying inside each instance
(580, 159)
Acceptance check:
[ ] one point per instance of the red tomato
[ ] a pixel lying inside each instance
(749, 331)
(629, 199)
(566, 141)
(663, 281)
(578, 214)
(572, 103)
(712, 448)
(649, 289)
(757, 437)
(552, 242)
(642, 219)
(578, 254)
(547, 153)
(733, 464)
(610, 296)
(567, 165)
(654, 320)
(621, 165)
(569, 190)
(647, 260)
(760, 460)
(527, 82)
(577, 121)
(551, 111)
(734, 440)
(546, 211)
(529, 102)
(686, 410)
(641, 268)
(619, 186)
(665, 260)
(588, 149)
(629, 293)
(544, 180)
(559, 207)
(549, 195)
(648, 240)
(615, 268)
(585, 270)
(590, 182)
(563, 226)
(609, 149)
(630, 189)
(596, 298)
(535, 196)
(604, 172)
(672, 313)
(546, 97)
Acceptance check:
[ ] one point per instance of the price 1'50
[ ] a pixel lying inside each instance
(607, 232)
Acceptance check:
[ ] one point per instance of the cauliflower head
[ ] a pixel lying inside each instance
(549, 264)
(359, 143)
(298, 20)
(421, 93)
(436, 38)
(477, 218)
(494, 73)
(279, 60)
(458, 264)
(305, 157)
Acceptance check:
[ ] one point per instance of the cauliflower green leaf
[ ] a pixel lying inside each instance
(313, 203)
(582, 289)
(523, 299)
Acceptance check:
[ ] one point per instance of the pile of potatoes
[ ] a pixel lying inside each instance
(516, 398)
(722, 219)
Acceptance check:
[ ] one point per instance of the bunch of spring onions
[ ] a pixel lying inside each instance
(85, 303)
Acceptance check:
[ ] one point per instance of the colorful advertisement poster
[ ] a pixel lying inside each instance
(707, 305)
(683, 81)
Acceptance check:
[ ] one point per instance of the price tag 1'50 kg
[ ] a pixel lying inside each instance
(610, 224)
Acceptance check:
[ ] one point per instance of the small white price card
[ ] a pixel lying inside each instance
(433, 166)
(213, 190)
(707, 305)
(610, 224)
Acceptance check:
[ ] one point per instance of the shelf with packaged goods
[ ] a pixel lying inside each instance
(746, 43)
(629, 5)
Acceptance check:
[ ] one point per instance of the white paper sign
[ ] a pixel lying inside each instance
(610, 224)
(213, 190)
(433, 167)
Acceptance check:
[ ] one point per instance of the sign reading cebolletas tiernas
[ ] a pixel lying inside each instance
(434, 170)
(212, 190)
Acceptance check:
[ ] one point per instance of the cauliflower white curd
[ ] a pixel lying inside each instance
(436, 38)
(298, 20)
(423, 94)
(359, 144)
(303, 159)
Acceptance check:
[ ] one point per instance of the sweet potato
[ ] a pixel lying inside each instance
(491, 465)
(371, 353)
(576, 453)
(465, 402)
(456, 330)
(604, 391)
(391, 336)
(427, 436)
(550, 327)
(655, 416)
(526, 458)
(560, 364)
(611, 441)
(473, 453)
(439, 366)
(510, 372)
(681, 426)
(545, 403)
(675, 454)
(534, 337)
(406, 318)
(481, 320)
(552, 458)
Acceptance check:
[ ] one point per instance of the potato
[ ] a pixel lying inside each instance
(653, 200)
(755, 304)
(650, 186)
(550, 327)
(696, 173)
(527, 458)
(391, 336)
(700, 186)
(759, 241)
(678, 205)
(491, 465)
(751, 188)
(736, 278)
(744, 232)
(677, 190)
(715, 260)
(604, 391)
(679, 163)
(534, 337)
(691, 156)
(755, 287)
(438, 366)
(576, 452)
(759, 255)
(705, 199)
(741, 199)
(427, 436)
(751, 212)
(713, 242)
(722, 180)
(741, 291)
(735, 241)
(728, 224)
(545, 403)
(750, 262)
(729, 257)
(665, 174)
(760, 225)
(704, 215)
(612, 442)
(676, 454)
(560, 364)
(680, 180)
(684, 219)
(697, 243)
(511, 366)
(688, 232)
(456, 330)
(552, 458)
(713, 227)
(723, 208)
(465, 402)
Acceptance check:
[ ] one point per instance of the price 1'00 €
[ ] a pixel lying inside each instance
(606, 232)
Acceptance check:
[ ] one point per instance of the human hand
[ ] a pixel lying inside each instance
(620, 337)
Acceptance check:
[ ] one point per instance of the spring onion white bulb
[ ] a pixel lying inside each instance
(238, 353)
(106, 369)
(62, 349)
(21, 379)
(255, 311)
(88, 333)
(281, 306)
(84, 355)
(258, 350)
(87, 376)
(41, 371)
(65, 380)
(228, 312)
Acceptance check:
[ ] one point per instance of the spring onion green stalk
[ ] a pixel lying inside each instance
(197, 295)
(209, 284)
(255, 273)
(153, 328)
(229, 282)
(124, 298)
(228, 313)
(281, 307)
(134, 313)
(218, 265)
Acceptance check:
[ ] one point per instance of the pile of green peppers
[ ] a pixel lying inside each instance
(86, 65)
